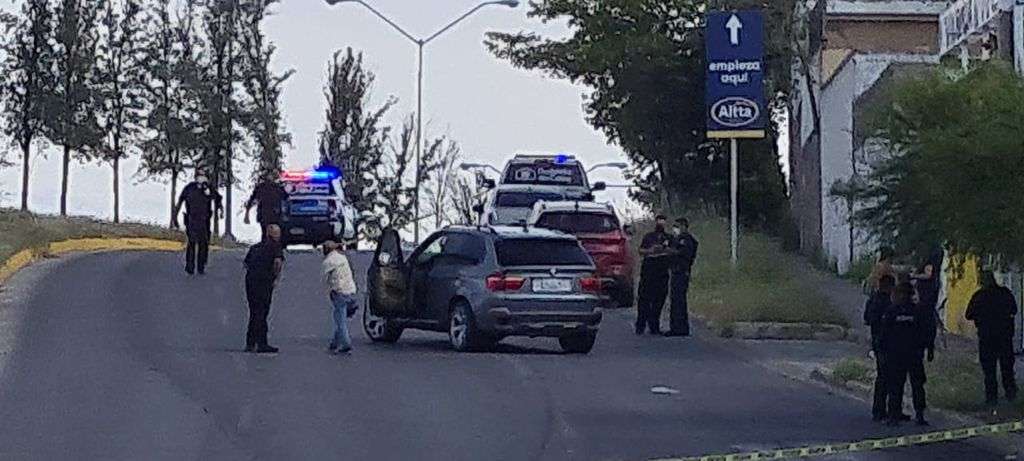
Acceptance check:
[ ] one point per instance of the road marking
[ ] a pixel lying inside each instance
(815, 451)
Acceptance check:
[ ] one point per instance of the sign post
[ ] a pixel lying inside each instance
(735, 101)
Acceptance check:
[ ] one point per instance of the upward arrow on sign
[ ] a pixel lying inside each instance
(734, 25)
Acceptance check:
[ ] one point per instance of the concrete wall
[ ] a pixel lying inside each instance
(837, 98)
(890, 37)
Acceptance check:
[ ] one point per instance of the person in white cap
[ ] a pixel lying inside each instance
(199, 200)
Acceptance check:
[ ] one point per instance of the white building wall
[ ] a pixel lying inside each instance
(836, 166)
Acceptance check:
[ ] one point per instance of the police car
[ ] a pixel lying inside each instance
(316, 210)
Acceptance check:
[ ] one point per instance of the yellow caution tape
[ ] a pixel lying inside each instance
(865, 445)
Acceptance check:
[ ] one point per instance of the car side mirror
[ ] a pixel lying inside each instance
(628, 230)
(488, 183)
(599, 186)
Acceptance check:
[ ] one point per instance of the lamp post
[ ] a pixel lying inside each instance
(619, 165)
(483, 166)
(420, 43)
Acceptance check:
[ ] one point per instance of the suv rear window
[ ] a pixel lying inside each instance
(525, 199)
(578, 223)
(544, 173)
(540, 252)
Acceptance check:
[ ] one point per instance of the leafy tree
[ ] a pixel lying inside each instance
(28, 78)
(950, 156)
(119, 84)
(172, 113)
(353, 137)
(644, 64)
(262, 116)
(71, 120)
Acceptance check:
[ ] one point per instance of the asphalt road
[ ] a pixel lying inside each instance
(122, 356)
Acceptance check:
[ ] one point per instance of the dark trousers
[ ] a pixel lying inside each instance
(900, 368)
(259, 294)
(679, 313)
(880, 406)
(197, 251)
(653, 291)
(998, 352)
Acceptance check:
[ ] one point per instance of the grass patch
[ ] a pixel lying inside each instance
(860, 270)
(20, 231)
(854, 370)
(955, 381)
(766, 287)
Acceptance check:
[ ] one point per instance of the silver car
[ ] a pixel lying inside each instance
(481, 284)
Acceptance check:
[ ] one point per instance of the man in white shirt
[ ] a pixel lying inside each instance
(337, 274)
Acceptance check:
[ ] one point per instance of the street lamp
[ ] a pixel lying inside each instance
(619, 165)
(420, 43)
(474, 166)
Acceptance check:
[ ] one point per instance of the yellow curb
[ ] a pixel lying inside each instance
(86, 245)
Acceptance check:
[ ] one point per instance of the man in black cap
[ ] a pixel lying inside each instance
(268, 197)
(263, 265)
(654, 277)
(199, 200)
(992, 309)
(684, 248)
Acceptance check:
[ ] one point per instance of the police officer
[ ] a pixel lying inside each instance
(199, 199)
(268, 197)
(684, 247)
(263, 265)
(908, 331)
(875, 310)
(993, 308)
(654, 277)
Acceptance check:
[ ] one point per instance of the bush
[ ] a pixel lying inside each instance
(853, 370)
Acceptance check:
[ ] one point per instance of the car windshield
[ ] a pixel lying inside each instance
(545, 173)
(578, 223)
(525, 199)
(540, 252)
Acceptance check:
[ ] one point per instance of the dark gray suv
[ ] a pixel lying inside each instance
(481, 284)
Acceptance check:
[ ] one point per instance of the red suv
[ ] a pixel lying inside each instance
(597, 227)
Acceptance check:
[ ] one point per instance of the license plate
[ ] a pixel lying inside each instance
(298, 231)
(552, 285)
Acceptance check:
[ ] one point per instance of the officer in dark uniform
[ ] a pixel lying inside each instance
(684, 247)
(875, 310)
(268, 197)
(199, 200)
(654, 277)
(993, 309)
(263, 265)
(908, 331)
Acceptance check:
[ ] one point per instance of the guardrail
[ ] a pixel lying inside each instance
(963, 19)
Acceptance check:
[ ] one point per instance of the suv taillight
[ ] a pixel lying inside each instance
(590, 285)
(499, 282)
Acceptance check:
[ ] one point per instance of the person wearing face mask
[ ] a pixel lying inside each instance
(684, 248)
(656, 250)
(199, 200)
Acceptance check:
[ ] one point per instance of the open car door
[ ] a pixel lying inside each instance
(388, 278)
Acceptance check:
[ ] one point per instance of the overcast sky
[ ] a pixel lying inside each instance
(490, 108)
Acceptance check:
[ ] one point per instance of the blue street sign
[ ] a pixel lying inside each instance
(736, 105)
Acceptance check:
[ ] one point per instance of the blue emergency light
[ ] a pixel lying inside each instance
(323, 173)
(561, 158)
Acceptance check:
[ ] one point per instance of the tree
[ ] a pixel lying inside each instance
(71, 120)
(353, 137)
(442, 179)
(219, 72)
(644, 64)
(172, 113)
(465, 195)
(262, 116)
(28, 79)
(950, 157)
(119, 85)
(395, 196)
